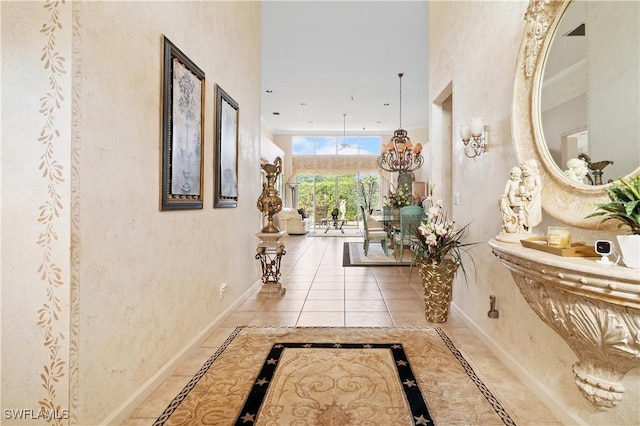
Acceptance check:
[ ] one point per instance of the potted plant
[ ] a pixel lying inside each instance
(368, 190)
(624, 207)
(438, 248)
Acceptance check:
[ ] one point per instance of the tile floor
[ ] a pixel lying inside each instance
(320, 292)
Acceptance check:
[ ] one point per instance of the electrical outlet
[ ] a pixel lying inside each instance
(223, 288)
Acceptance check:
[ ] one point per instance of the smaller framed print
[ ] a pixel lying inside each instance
(226, 164)
(182, 131)
(419, 189)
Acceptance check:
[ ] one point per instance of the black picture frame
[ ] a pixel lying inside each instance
(226, 156)
(183, 96)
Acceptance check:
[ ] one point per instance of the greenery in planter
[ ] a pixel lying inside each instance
(624, 205)
(438, 238)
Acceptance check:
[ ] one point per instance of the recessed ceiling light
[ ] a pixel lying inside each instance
(276, 113)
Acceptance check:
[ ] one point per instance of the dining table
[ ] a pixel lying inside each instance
(386, 219)
(389, 221)
(389, 218)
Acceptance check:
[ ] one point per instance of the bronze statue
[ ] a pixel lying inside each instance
(595, 167)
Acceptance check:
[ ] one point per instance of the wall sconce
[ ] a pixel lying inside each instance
(476, 133)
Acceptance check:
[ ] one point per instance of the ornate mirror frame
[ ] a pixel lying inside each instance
(564, 199)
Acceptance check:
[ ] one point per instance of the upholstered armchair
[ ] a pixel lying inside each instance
(292, 222)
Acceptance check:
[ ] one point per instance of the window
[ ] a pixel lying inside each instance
(333, 145)
(330, 169)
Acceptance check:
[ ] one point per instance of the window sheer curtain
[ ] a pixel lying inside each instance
(336, 164)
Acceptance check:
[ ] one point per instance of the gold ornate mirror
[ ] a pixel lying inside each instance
(563, 198)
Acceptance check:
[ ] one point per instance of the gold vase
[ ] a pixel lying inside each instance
(437, 280)
(269, 203)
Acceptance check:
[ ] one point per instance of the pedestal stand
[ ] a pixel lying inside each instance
(269, 253)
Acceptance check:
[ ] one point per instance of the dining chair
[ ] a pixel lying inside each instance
(373, 234)
(373, 224)
(410, 219)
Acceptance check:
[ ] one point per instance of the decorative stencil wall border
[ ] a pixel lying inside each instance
(76, 116)
(52, 171)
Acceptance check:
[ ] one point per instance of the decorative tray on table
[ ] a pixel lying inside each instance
(577, 249)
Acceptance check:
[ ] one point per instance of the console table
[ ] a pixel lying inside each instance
(594, 308)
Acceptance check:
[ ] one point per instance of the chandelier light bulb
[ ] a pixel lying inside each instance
(477, 126)
(465, 132)
(474, 137)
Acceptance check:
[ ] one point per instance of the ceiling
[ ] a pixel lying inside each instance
(567, 50)
(324, 59)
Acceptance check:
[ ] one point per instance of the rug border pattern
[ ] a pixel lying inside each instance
(173, 405)
(495, 403)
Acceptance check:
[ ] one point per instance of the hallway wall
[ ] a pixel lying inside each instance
(100, 289)
(473, 48)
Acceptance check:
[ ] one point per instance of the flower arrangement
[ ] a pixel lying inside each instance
(624, 205)
(401, 198)
(419, 199)
(437, 237)
(438, 251)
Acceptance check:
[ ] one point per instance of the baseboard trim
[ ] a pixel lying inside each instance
(123, 412)
(522, 373)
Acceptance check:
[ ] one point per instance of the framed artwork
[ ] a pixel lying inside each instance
(182, 131)
(419, 189)
(226, 167)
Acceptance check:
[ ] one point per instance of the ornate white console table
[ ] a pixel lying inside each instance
(594, 308)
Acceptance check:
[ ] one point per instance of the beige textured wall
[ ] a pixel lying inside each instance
(139, 285)
(478, 62)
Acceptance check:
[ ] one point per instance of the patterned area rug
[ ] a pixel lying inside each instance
(336, 376)
(353, 255)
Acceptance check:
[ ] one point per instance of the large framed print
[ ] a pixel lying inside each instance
(182, 131)
(226, 167)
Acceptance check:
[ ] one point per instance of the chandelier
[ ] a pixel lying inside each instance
(399, 154)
